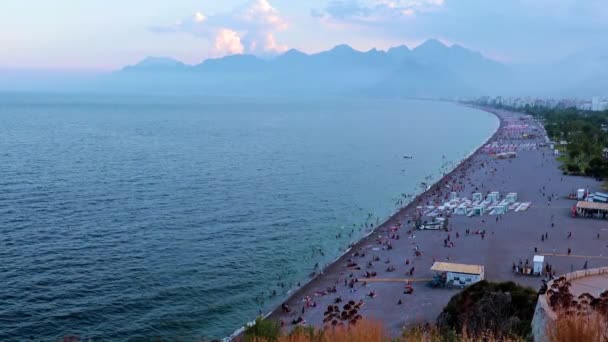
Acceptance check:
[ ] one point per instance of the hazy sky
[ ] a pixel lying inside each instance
(107, 34)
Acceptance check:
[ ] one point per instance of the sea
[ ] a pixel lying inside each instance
(127, 217)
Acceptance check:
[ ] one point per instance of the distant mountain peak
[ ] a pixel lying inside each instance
(157, 63)
(431, 44)
(430, 68)
(158, 60)
(402, 47)
(294, 52)
(343, 47)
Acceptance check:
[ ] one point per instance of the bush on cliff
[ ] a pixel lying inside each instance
(504, 309)
(262, 330)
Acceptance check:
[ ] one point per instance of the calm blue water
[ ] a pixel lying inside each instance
(134, 217)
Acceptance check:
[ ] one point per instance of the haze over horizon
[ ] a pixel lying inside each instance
(251, 47)
(102, 36)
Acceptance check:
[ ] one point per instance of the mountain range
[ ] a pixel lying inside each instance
(432, 69)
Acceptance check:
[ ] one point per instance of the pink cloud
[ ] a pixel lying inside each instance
(249, 28)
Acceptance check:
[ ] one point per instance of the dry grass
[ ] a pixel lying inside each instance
(569, 328)
(574, 328)
(373, 331)
(363, 331)
(434, 335)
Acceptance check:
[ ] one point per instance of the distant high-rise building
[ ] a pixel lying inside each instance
(595, 103)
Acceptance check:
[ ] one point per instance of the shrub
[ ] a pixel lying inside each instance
(262, 330)
(502, 309)
(573, 168)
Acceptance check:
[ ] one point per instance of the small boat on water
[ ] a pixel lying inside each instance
(408, 157)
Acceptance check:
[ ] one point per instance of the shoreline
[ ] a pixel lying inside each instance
(391, 220)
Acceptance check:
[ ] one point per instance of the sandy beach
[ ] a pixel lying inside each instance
(534, 175)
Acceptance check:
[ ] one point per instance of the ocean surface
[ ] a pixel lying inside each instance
(128, 218)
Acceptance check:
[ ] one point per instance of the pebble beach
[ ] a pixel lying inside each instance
(375, 272)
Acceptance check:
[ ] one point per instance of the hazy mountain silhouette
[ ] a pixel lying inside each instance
(156, 64)
(431, 69)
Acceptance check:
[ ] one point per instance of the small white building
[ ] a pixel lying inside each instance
(580, 194)
(459, 275)
(539, 264)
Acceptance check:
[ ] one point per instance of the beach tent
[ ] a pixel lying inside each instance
(461, 210)
(494, 196)
(538, 262)
(500, 209)
(511, 197)
(477, 197)
(477, 210)
(453, 196)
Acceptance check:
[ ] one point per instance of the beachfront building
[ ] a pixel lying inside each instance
(458, 275)
(591, 209)
(599, 104)
(538, 263)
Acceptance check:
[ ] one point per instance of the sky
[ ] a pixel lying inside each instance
(109, 34)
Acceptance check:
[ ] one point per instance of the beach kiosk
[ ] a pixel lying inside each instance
(458, 275)
(539, 263)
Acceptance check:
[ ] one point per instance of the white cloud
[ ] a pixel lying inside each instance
(249, 28)
(228, 42)
(199, 17)
(373, 11)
